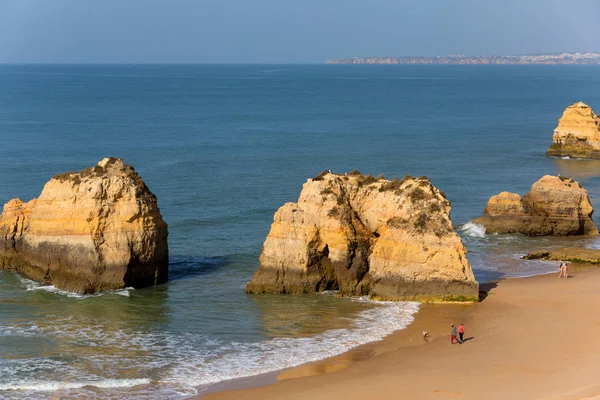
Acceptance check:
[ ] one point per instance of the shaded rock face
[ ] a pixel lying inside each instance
(99, 229)
(577, 134)
(362, 235)
(555, 206)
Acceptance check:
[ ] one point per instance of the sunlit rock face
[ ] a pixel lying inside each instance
(555, 206)
(363, 235)
(96, 230)
(577, 134)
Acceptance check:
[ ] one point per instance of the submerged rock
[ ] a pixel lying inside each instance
(96, 230)
(555, 206)
(577, 134)
(569, 254)
(363, 235)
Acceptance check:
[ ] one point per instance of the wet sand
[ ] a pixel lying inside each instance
(530, 338)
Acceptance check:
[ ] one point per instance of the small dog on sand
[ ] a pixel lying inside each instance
(425, 334)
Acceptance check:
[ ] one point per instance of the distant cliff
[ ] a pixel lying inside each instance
(95, 230)
(363, 235)
(540, 59)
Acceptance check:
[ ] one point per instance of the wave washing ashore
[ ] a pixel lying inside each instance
(174, 364)
(240, 152)
(531, 338)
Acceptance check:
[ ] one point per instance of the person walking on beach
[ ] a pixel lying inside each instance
(563, 270)
(461, 332)
(560, 270)
(453, 335)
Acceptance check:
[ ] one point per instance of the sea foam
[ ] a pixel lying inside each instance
(178, 365)
(472, 229)
(32, 285)
(248, 359)
(52, 386)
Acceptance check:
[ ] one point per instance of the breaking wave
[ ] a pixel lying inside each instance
(32, 285)
(472, 229)
(53, 386)
(250, 359)
(173, 366)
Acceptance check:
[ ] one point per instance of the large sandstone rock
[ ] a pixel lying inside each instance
(577, 134)
(366, 236)
(555, 206)
(99, 229)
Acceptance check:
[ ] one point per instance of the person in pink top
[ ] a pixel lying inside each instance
(461, 332)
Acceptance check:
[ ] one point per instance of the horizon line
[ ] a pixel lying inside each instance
(260, 63)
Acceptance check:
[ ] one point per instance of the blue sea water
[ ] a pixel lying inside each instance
(223, 147)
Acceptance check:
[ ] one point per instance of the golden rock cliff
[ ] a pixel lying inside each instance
(555, 206)
(99, 229)
(577, 134)
(362, 235)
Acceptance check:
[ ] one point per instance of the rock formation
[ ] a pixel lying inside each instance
(363, 235)
(99, 229)
(569, 254)
(555, 206)
(577, 134)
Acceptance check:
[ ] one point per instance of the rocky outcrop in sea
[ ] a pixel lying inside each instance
(92, 231)
(364, 235)
(555, 206)
(576, 255)
(577, 134)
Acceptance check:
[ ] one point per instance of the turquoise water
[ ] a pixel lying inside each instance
(223, 147)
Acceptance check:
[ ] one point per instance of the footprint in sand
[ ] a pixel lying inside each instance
(450, 393)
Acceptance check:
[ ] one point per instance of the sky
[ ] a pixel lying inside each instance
(286, 31)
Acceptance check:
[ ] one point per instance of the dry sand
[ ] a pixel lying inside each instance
(531, 338)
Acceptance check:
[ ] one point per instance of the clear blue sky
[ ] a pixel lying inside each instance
(286, 31)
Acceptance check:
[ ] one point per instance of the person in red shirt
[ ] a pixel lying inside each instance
(461, 332)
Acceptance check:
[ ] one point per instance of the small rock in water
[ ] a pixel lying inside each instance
(577, 134)
(555, 206)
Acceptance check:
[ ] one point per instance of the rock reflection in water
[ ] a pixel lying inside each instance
(574, 168)
(305, 315)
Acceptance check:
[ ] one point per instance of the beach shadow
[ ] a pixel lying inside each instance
(182, 267)
(469, 338)
(485, 288)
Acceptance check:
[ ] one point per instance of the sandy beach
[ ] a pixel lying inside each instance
(530, 338)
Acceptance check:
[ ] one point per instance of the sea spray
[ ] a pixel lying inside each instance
(472, 229)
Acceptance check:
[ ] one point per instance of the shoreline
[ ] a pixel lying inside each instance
(513, 348)
(406, 337)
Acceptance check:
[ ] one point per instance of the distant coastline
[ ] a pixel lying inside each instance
(537, 59)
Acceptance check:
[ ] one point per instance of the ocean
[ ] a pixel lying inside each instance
(223, 147)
